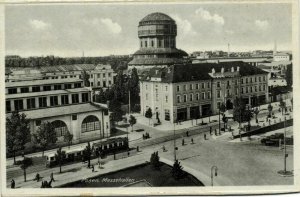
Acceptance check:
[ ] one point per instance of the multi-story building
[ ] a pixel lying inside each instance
(157, 33)
(99, 75)
(278, 57)
(183, 92)
(63, 102)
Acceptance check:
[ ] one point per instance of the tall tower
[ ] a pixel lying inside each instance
(157, 39)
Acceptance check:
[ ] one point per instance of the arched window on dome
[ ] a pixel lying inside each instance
(90, 123)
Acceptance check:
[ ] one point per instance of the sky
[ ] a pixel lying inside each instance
(68, 30)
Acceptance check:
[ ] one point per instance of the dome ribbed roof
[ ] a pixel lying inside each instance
(157, 16)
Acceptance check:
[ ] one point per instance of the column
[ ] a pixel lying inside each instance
(188, 110)
(24, 103)
(200, 110)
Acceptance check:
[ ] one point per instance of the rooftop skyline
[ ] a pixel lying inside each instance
(105, 29)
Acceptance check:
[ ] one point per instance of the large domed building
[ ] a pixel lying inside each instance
(157, 34)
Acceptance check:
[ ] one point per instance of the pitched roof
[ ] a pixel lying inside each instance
(196, 72)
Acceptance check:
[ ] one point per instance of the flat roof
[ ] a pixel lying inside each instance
(59, 111)
(45, 93)
(40, 82)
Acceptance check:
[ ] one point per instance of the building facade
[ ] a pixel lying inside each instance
(64, 102)
(157, 40)
(184, 92)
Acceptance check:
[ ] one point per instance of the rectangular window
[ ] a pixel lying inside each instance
(31, 103)
(242, 90)
(264, 88)
(251, 80)
(12, 91)
(91, 76)
(203, 85)
(246, 80)
(64, 99)
(8, 106)
(57, 87)
(197, 96)
(247, 90)
(259, 88)
(191, 97)
(36, 89)
(255, 79)
(104, 83)
(178, 88)
(259, 79)
(242, 81)
(42, 102)
(197, 86)
(156, 97)
(255, 88)
(74, 117)
(85, 97)
(109, 74)
(46, 88)
(109, 83)
(53, 101)
(184, 98)
(178, 99)
(98, 75)
(75, 98)
(167, 99)
(68, 86)
(191, 86)
(77, 85)
(208, 84)
(24, 90)
(167, 114)
(184, 87)
(104, 75)
(208, 95)
(203, 95)
(236, 91)
(264, 78)
(18, 105)
(166, 88)
(219, 94)
(218, 84)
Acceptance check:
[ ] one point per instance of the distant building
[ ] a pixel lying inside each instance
(281, 57)
(183, 92)
(157, 33)
(65, 103)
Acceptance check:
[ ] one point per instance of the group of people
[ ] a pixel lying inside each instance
(45, 184)
(146, 136)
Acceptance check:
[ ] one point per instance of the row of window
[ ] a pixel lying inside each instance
(42, 102)
(44, 88)
(160, 43)
(254, 89)
(193, 86)
(253, 79)
(193, 97)
(99, 75)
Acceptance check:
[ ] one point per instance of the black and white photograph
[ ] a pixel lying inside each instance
(149, 95)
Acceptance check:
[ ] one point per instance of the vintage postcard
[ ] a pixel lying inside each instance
(149, 98)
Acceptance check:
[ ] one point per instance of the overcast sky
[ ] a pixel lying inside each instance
(99, 29)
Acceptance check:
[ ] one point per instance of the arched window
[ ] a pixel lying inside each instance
(59, 127)
(90, 123)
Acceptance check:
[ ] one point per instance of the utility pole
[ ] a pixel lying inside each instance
(174, 138)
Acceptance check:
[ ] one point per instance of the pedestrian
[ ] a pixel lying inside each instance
(216, 132)
(204, 136)
(164, 148)
(52, 177)
(93, 169)
(192, 140)
(37, 177)
(210, 130)
(187, 133)
(182, 142)
(12, 184)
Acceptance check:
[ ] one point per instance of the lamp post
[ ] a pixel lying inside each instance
(213, 169)
(174, 138)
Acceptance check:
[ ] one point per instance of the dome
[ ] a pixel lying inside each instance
(157, 17)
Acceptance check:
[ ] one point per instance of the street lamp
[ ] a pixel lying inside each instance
(174, 138)
(213, 169)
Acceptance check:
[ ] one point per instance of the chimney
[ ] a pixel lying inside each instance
(232, 69)
(222, 70)
(238, 69)
(213, 71)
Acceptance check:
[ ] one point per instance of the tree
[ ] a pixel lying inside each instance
(134, 88)
(222, 108)
(154, 160)
(238, 108)
(68, 137)
(132, 121)
(256, 112)
(85, 78)
(17, 132)
(177, 170)
(45, 136)
(115, 107)
(59, 157)
(88, 154)
(289, 76)
(247, 115)
(25, 164)
(149, 114)
(270, 108)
